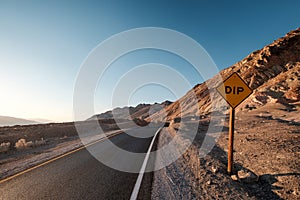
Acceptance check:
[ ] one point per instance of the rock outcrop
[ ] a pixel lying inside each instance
(272, 72)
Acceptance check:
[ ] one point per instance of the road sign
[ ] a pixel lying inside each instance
(234, 90)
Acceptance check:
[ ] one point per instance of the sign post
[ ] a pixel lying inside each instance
(230, 140)
(234, 90)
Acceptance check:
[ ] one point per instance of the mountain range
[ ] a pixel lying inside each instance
(141, 111)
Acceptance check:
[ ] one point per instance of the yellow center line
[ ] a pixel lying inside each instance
(58, 157)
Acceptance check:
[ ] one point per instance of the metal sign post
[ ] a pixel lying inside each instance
(234, 90)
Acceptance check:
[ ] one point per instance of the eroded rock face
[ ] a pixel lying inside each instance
(272, 72)
(284, 88)
(265, 64)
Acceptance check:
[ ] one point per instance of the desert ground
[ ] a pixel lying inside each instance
(266, 145)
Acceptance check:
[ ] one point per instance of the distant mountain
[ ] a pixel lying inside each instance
(140, 111)
(273, 72)
(11, 121)
(42, 121)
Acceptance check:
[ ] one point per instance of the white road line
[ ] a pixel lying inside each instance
(138, 183)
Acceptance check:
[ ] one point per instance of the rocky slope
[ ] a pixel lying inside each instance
(273, 72)
(140, 111)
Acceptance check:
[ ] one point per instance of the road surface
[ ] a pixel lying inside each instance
(81, 176)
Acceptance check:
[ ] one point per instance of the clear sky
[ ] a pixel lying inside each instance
(43, 43)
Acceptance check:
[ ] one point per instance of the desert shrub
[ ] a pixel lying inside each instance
(4, 147)
(22, 144)
(38, 143)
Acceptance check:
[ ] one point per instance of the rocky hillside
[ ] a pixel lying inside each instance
(140, 111)
(273, 72)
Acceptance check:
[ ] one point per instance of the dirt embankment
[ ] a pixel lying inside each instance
(266, 143)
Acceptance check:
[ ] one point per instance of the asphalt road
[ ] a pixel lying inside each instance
(81, 176)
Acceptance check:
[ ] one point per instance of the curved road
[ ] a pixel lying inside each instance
(81, 176)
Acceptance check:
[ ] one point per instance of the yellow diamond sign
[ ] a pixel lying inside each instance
(234, 90)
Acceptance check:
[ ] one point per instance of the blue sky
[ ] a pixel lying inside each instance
(44, 43)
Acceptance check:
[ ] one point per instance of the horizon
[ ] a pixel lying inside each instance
(43, 46)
